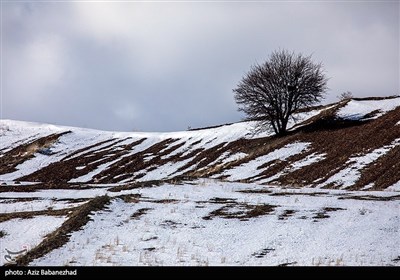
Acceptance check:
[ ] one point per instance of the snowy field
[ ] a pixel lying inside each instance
(209, 222)
(329, 197)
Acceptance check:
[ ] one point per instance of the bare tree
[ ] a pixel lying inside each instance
(345, 95)
(271, 92)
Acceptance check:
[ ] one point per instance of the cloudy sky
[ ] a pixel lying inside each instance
(164, 66)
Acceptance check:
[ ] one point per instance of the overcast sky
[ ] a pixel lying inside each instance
(166, 66)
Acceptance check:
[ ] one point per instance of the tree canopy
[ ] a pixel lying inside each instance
(272, 91)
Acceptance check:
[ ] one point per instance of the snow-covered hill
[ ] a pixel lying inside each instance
(351, 144)
(325, 194)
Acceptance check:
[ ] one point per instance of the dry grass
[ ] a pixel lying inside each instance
(299, 193)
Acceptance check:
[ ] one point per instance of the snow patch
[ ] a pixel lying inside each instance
(356, 110)
(89, 176)
(21, 234)
(249, 169)
(367, 187)
(313, 158)
(394, 188)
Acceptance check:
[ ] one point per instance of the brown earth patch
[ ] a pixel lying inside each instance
(130, 198)
(140, 212)
(256, 191)
(300, 194)
(23, 152)
(136, 163)
(323, 213)
(240, 211)
(31, 214)
(286, 214)
(382, 173)
(347, 141)
(372, 197)
(65, 170)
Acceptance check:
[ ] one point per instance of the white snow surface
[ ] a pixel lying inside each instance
(395, 187)
(10, 205)
(21, 234)
(14, 133)
(358, 109)
(357, 232)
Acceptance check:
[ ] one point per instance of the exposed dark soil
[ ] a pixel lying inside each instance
(262, 253)
(241, 211)
(396, 259)
(286, 264)
(161, 201)
(130, 198)
(171, 224)
(299, 193)
(286, 214)
(372, 197)
(47, 185)
(222, 200)
(255, 191)
(32, 214)
(140, 212)
(323, 213)
(66, 169)
(23, 152)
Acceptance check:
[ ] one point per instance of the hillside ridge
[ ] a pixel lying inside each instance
(353, 144)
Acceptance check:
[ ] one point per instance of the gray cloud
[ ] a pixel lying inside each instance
(167, 66)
